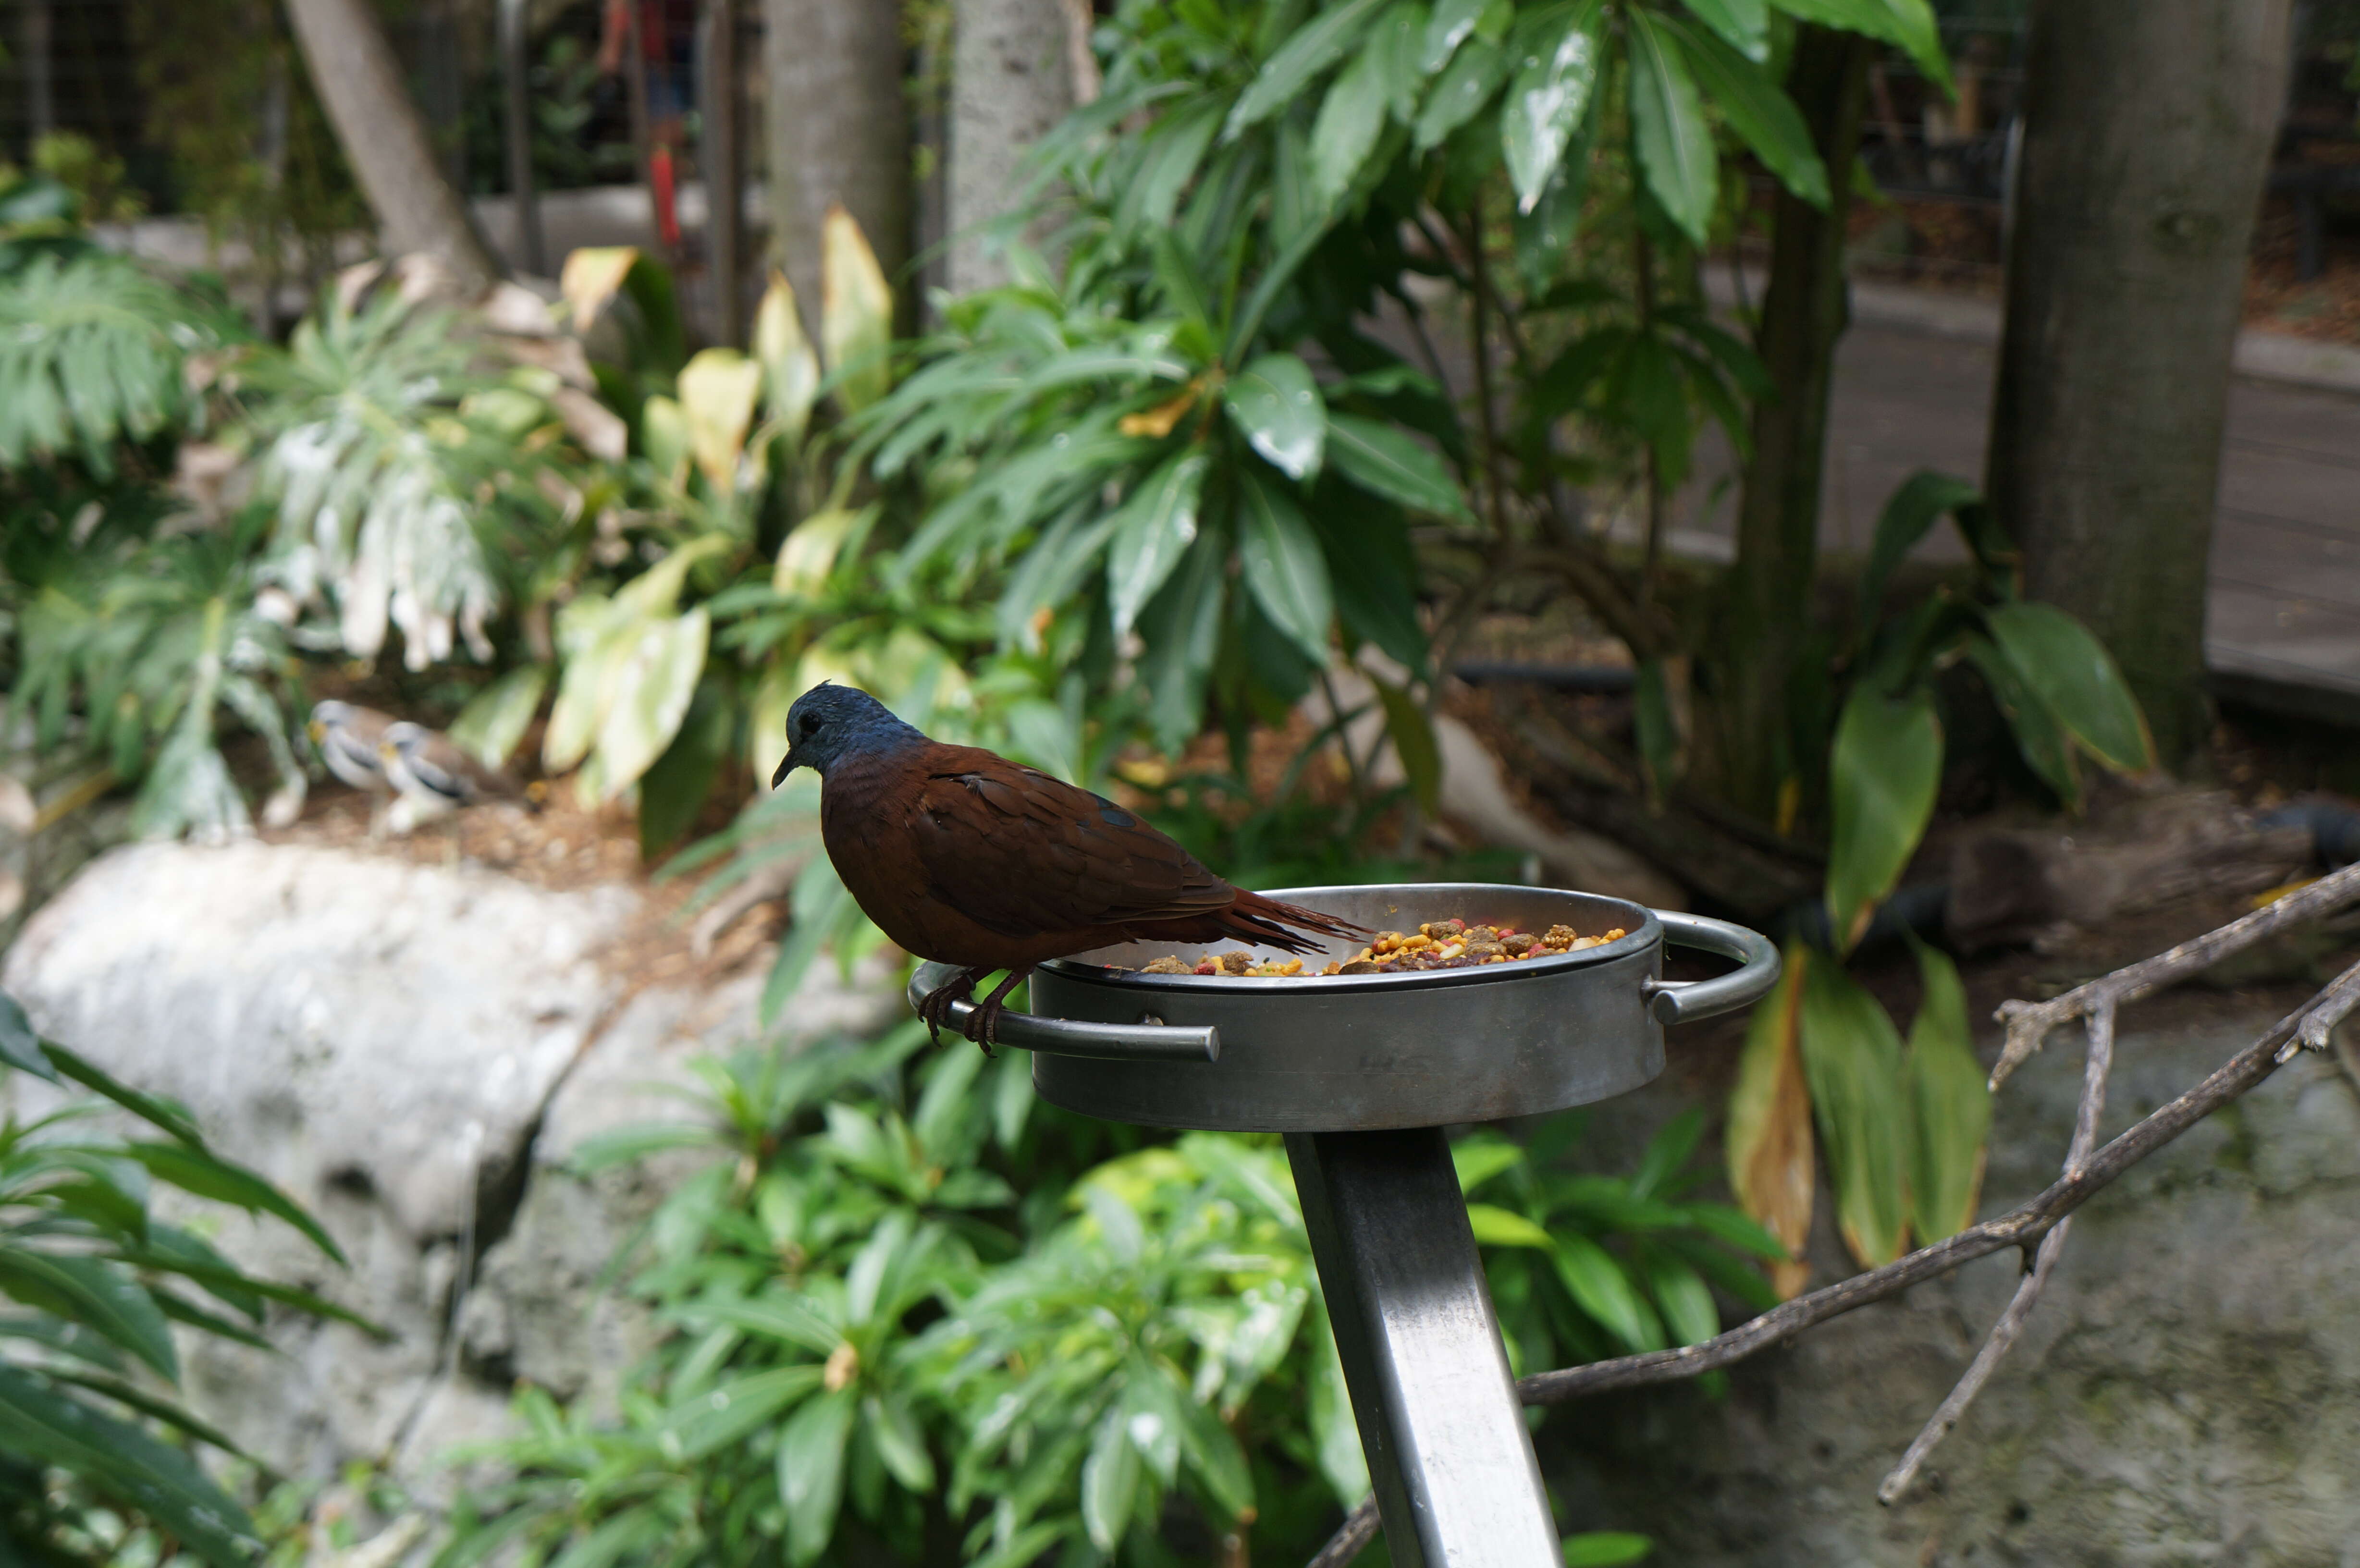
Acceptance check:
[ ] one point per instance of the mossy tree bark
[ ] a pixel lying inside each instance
(2147, 130)
(1803, 314)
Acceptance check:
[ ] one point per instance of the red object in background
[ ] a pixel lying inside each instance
(660, 187)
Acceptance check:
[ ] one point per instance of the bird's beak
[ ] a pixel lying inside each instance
(787, 765)
(317, 731)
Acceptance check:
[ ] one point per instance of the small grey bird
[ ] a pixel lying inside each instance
(433, 775)
(347, 736)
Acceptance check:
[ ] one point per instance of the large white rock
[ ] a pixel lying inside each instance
(412, 1052)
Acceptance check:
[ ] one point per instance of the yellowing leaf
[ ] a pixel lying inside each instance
(717, 389)
(1852, 1059)
(1158, 421)
(592, 275)
(808, 553)
(652, 685)
(1771, 1159)
(790, 369)
(856, 313)
(664, 437)
(496, 718)
(1949, 1106)
(766, 719)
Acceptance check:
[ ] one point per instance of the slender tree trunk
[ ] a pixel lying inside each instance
(1012, 79)
(1803, 314)
(839, 131)
(2147, 130)
(385, 139)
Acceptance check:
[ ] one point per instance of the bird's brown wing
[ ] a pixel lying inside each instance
(1026, 855)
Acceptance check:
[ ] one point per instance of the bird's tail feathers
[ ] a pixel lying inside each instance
(1267, 921)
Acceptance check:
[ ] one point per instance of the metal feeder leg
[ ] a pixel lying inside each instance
(1449, 1455)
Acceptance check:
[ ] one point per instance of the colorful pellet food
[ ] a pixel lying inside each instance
(1438, 944)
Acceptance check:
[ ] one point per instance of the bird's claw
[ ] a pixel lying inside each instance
(934, 1009)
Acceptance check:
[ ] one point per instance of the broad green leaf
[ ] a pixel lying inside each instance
(717, 388)
(1214, 1454)
(1276, 406)
(1908, 22)
(1743, 25)
(1685, 1300)
(19, 1046)
(1175, 146)
(811, 1472)
(664, 436)
(1600, 1289)
(725, 1414)
(95, 1293)
(2047, 750)
(1496, 1226)
(1949, 1106)
(1159, 522)
(674, 788)
(1756, 108)
(2067, 666)
(1605, 1549)
(900, 1441)
(774, 1315)
(1852, 1057)
(652, 688)
(1412, 733)
(1380, 458)
(1181, 627)
(631, 1531)
(1478, 1160)
(1397, 42)
(790, 373)
(1109, 1482)
(856, 313)
(1908, 516)
(1883, 773)
(1350, 118)
(1668, 1153)
(1452, 24)
(1312, 49)
(1657, 728)
(1334, 1432)
(496, 718)
(1151, 1418)
(1674, 141)
(196, 1171)
(1283, 569)
(1548, 101)
(1546, 233)
(1768, 1144)
(1465, 86)
(807, 555)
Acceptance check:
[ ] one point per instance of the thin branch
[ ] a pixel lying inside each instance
(2333, 1006)
(1358, 1529)
(2029, 1023)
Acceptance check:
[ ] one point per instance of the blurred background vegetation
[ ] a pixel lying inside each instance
(1310, 341)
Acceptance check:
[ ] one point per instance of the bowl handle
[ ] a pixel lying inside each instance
(1685, 1001)
(1151, 1040)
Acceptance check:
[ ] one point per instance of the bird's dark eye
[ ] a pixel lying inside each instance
(810, 727)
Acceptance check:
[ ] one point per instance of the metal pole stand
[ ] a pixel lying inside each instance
(1449, 1456)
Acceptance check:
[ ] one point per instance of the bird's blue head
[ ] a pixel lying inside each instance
(829, 722)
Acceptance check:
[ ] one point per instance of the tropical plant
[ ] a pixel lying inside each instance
(1904, 1126)
(93, 1447)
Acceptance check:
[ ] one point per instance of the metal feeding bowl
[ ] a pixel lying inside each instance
(1363, 1052)
(1361, 1073)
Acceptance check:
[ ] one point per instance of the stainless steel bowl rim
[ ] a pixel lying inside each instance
(1646, 931)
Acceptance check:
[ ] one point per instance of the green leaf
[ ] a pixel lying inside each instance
(1350, 118)
(675, 787)
(1908, 22)
(1600, 1288)
(166, 1115)
(900, 1441)
(496, 718)
(1283, 566)
(1883, 773)
(1109, 1482)
(856, 314)
(1453, 24)
(1214, 1454)
(1668, 1153)
(1743, 25)
(1656, 728)
(1478, 1160)
(196, 1171)
(1379, 458)
(791, 374)
(1949, 1106)
(1159, 522)
(1465, 87)
(811, 1472)
(1548, 101)
(1852, 1057)
(1412, 733)
(1276, 406)
(2047, 750)
(775, 1316)
(1182, 630)
(1756, 108)
(653, 684)
(1543, 235)
(1669, 126)
(1176, 144)
(1397, 43)
(723, 1415)
(1908, 516)
(2065, 665)
(1685, 1299)
(1333, 1429)
(1605, 1549)
(19, 1046)
(95, 1293)
(1311, 49)
(1496, 1226)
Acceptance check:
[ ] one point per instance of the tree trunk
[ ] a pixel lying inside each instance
(839, 132)
(1012, 79)
(385, 139)
(1803, 314)
(2147, 130)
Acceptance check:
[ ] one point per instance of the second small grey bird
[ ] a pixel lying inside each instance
(347, 736)
(433, 775)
